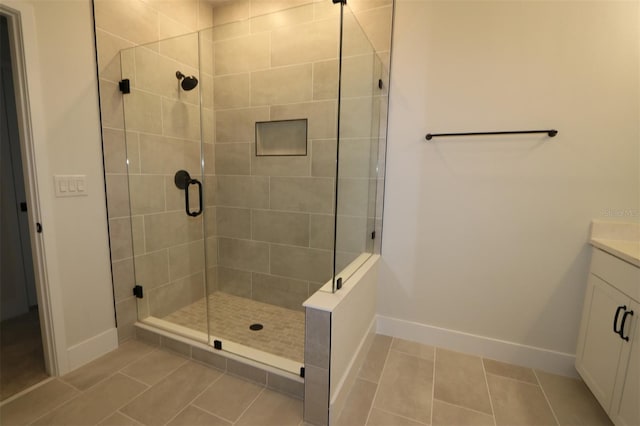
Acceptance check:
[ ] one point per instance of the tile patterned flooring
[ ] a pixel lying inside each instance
(231, 316)
(408, 384)
(400, 383)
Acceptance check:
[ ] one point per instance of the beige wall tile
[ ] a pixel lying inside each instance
(242, 191)
(354, 39)
(127, 314)
(228, 30)
(233, 222)
(206, 86)
(246, 371)
(168, 397)
(374, 361)
(266, 18)
(95, 404)
(313, 195)
(358, 403)
(180, 119)
(309, 42)
(169, 229)
(164, 155)
(152, 270)
(178, 294)
(229, 397)
(356, 118)
(146, 194)
(358, 78)
(280, 227)
(109, 47)
(301, 263)
(321, 231)
(233, 158)
(243, 254)
(376, 24)
(186, 259)
(133, 21)
(321, 116)
(445, 414)
(36, 403)
(353, 197)
(279, 291)
(405, 387)
(518, 403)
(356, 157)
(460, 380)
(231, 12)
(241, 54)
(234, 281)
(281, 85)
(232, 91)
(114, 151)
(132, 152)
(184, 12)
(316, 391)
(111, 105)
(285, 385)
(120, 238)
(137, 235)
(360, 5)
(325, 80)
(211, 252)
(143, 112)
(208, 126)
(123, 279)
(280, 165)
(239, 125)
(323, 158)
(205, 14)
(352, 234)
(117, 196)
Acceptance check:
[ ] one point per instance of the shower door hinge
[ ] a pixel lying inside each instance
(125, 86)
(339, 283)
(302, 372)
(373, 235)
(217, 344)
(137, 291)
(340, 1)
(380, 85)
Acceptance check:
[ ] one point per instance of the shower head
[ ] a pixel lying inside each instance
(188, 82)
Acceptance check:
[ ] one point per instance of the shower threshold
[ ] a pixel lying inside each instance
(279, 344)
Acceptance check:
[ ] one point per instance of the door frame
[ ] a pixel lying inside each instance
(24, 59)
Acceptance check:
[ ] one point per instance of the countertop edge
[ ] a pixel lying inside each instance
(617, 248)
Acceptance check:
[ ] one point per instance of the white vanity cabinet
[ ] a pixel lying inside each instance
(608, 352)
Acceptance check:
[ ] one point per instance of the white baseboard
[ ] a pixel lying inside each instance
(92, 348)
(344, 387)
(514, 353)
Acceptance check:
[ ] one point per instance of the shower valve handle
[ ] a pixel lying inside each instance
(183, 180)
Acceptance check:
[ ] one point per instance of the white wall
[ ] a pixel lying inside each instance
(488, 236)
(59, 45)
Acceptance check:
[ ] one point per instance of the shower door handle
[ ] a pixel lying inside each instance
(186, 198)
(183, 180)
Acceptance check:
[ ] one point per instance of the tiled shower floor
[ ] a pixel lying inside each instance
(231, 316)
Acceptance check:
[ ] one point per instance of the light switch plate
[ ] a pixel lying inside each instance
(70, 185)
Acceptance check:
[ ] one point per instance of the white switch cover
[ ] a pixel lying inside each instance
(70, 185)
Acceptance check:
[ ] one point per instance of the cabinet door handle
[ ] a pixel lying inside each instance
(624, 319)
(615, 319)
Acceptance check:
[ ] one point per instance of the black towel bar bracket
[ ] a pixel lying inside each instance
(551, 133)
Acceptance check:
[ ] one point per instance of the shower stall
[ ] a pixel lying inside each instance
(254, 162)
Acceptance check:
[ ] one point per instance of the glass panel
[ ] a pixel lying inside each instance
(162, 124)
(358, 146)
(271, 220)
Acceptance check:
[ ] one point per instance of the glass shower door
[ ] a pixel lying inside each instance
(166, 183)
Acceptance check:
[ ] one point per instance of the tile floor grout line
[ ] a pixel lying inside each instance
(212, 413)
(196, 397)
(375, 394)
(402, 417)
(125, 404)
(80, 393)
(546, 398)
(123, 414)
(462, 406)
(433, 383)
(486, 382)
(28, 390)
(249, 406)
(512, 379)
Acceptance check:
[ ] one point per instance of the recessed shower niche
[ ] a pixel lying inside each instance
(281, 137)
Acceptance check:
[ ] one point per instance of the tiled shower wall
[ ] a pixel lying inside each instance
(271, 216)
(121, 24)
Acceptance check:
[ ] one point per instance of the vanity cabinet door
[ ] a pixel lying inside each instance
(599, 346)
(627, 411)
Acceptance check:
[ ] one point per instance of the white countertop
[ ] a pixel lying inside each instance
(618, 239)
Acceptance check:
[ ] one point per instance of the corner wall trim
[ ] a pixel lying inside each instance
(92, 348)
(500, 350)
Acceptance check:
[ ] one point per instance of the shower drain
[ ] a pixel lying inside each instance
(255, 327)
